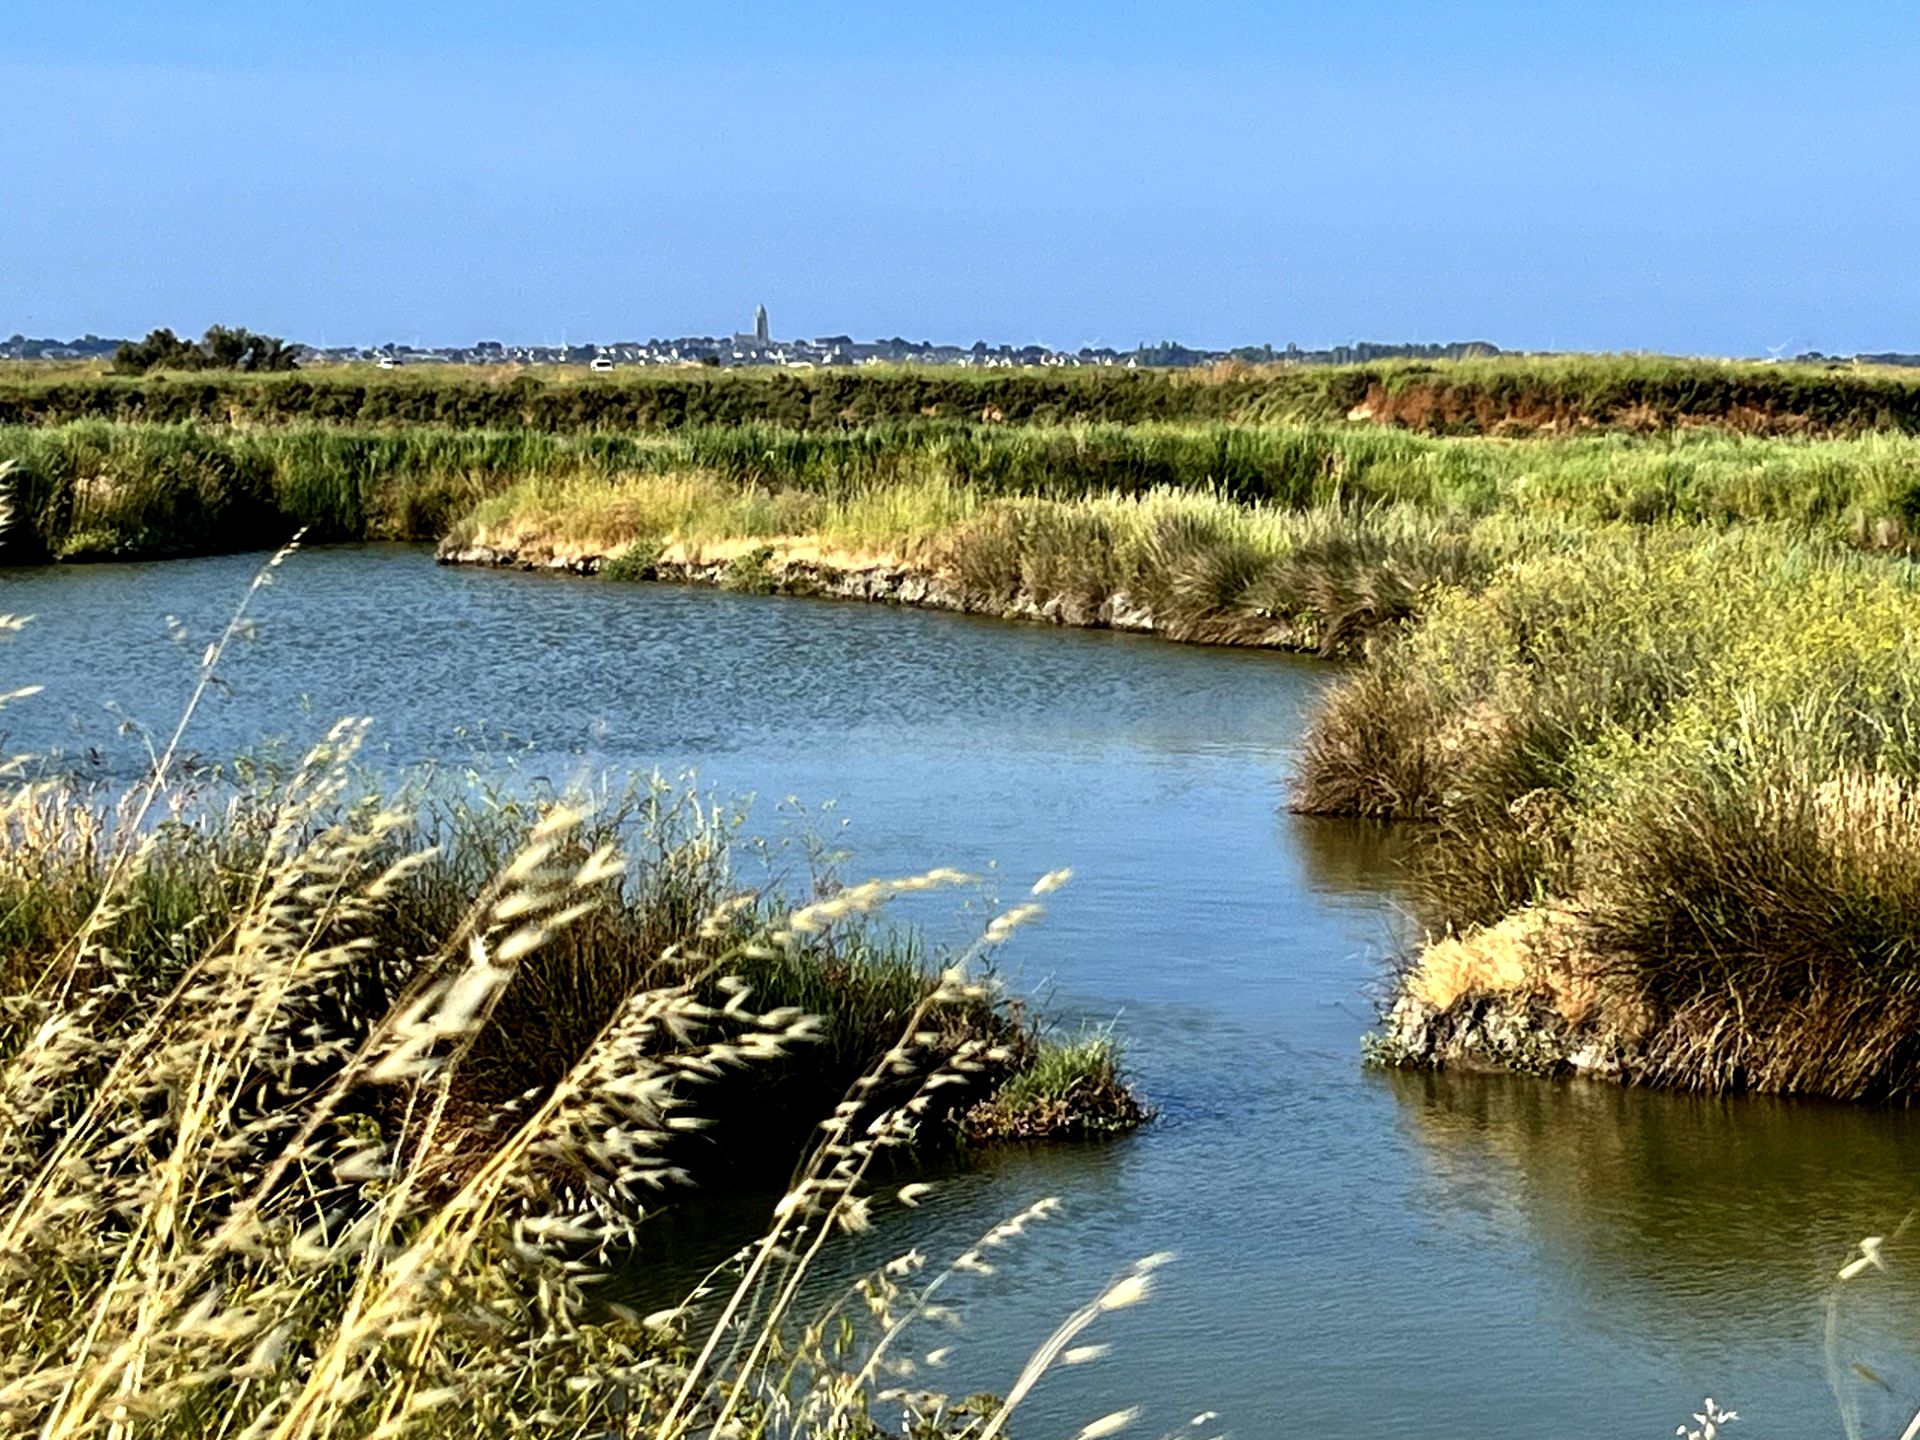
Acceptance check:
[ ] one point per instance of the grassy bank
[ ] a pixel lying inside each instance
(1507, 394)
(122, 910)
(97, 489)
(1185, 565)
(1669, 785)
(310, 1131)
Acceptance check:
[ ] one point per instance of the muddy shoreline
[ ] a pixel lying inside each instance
(766, 570)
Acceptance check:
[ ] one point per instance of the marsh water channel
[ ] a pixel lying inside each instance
(1360, 1253)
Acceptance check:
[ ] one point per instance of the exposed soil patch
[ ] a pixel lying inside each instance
(1447, 407)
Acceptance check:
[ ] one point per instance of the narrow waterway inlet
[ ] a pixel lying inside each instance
(1359, 1252)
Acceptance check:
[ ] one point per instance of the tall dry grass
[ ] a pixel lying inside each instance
(237, 1199)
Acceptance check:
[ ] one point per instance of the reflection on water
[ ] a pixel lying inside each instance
(1348, 857)
(1668, 1204)
(1360, 1253)
(1665, 1214)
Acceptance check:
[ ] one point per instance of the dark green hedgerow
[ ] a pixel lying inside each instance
(666, 400)
(1634, 392)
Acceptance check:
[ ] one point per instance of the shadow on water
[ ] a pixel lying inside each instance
(684, 1243)
(1340, 856)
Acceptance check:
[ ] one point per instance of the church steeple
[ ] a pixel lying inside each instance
(760, 324)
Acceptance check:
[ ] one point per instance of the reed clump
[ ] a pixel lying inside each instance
(1694, 755)
(147, 902)
(1073, 1090)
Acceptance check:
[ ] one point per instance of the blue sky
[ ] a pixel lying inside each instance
(1695, 177)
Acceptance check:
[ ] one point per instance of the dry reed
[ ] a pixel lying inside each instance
(249, 1207)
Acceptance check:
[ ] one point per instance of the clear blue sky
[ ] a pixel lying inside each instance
(1713, 177)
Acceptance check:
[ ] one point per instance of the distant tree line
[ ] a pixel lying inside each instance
(221, 348)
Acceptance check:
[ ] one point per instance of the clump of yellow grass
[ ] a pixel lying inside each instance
(1534, 953)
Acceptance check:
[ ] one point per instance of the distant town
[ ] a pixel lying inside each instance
(758, 347)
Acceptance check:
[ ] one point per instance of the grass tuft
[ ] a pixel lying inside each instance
(1068, 1089)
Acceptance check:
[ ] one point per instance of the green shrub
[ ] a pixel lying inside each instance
(750, 573)
(635, 562)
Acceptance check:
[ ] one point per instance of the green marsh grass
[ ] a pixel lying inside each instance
(1698, 753)
(97, 487)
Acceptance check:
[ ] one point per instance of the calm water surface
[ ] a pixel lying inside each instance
(1360, 1254)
